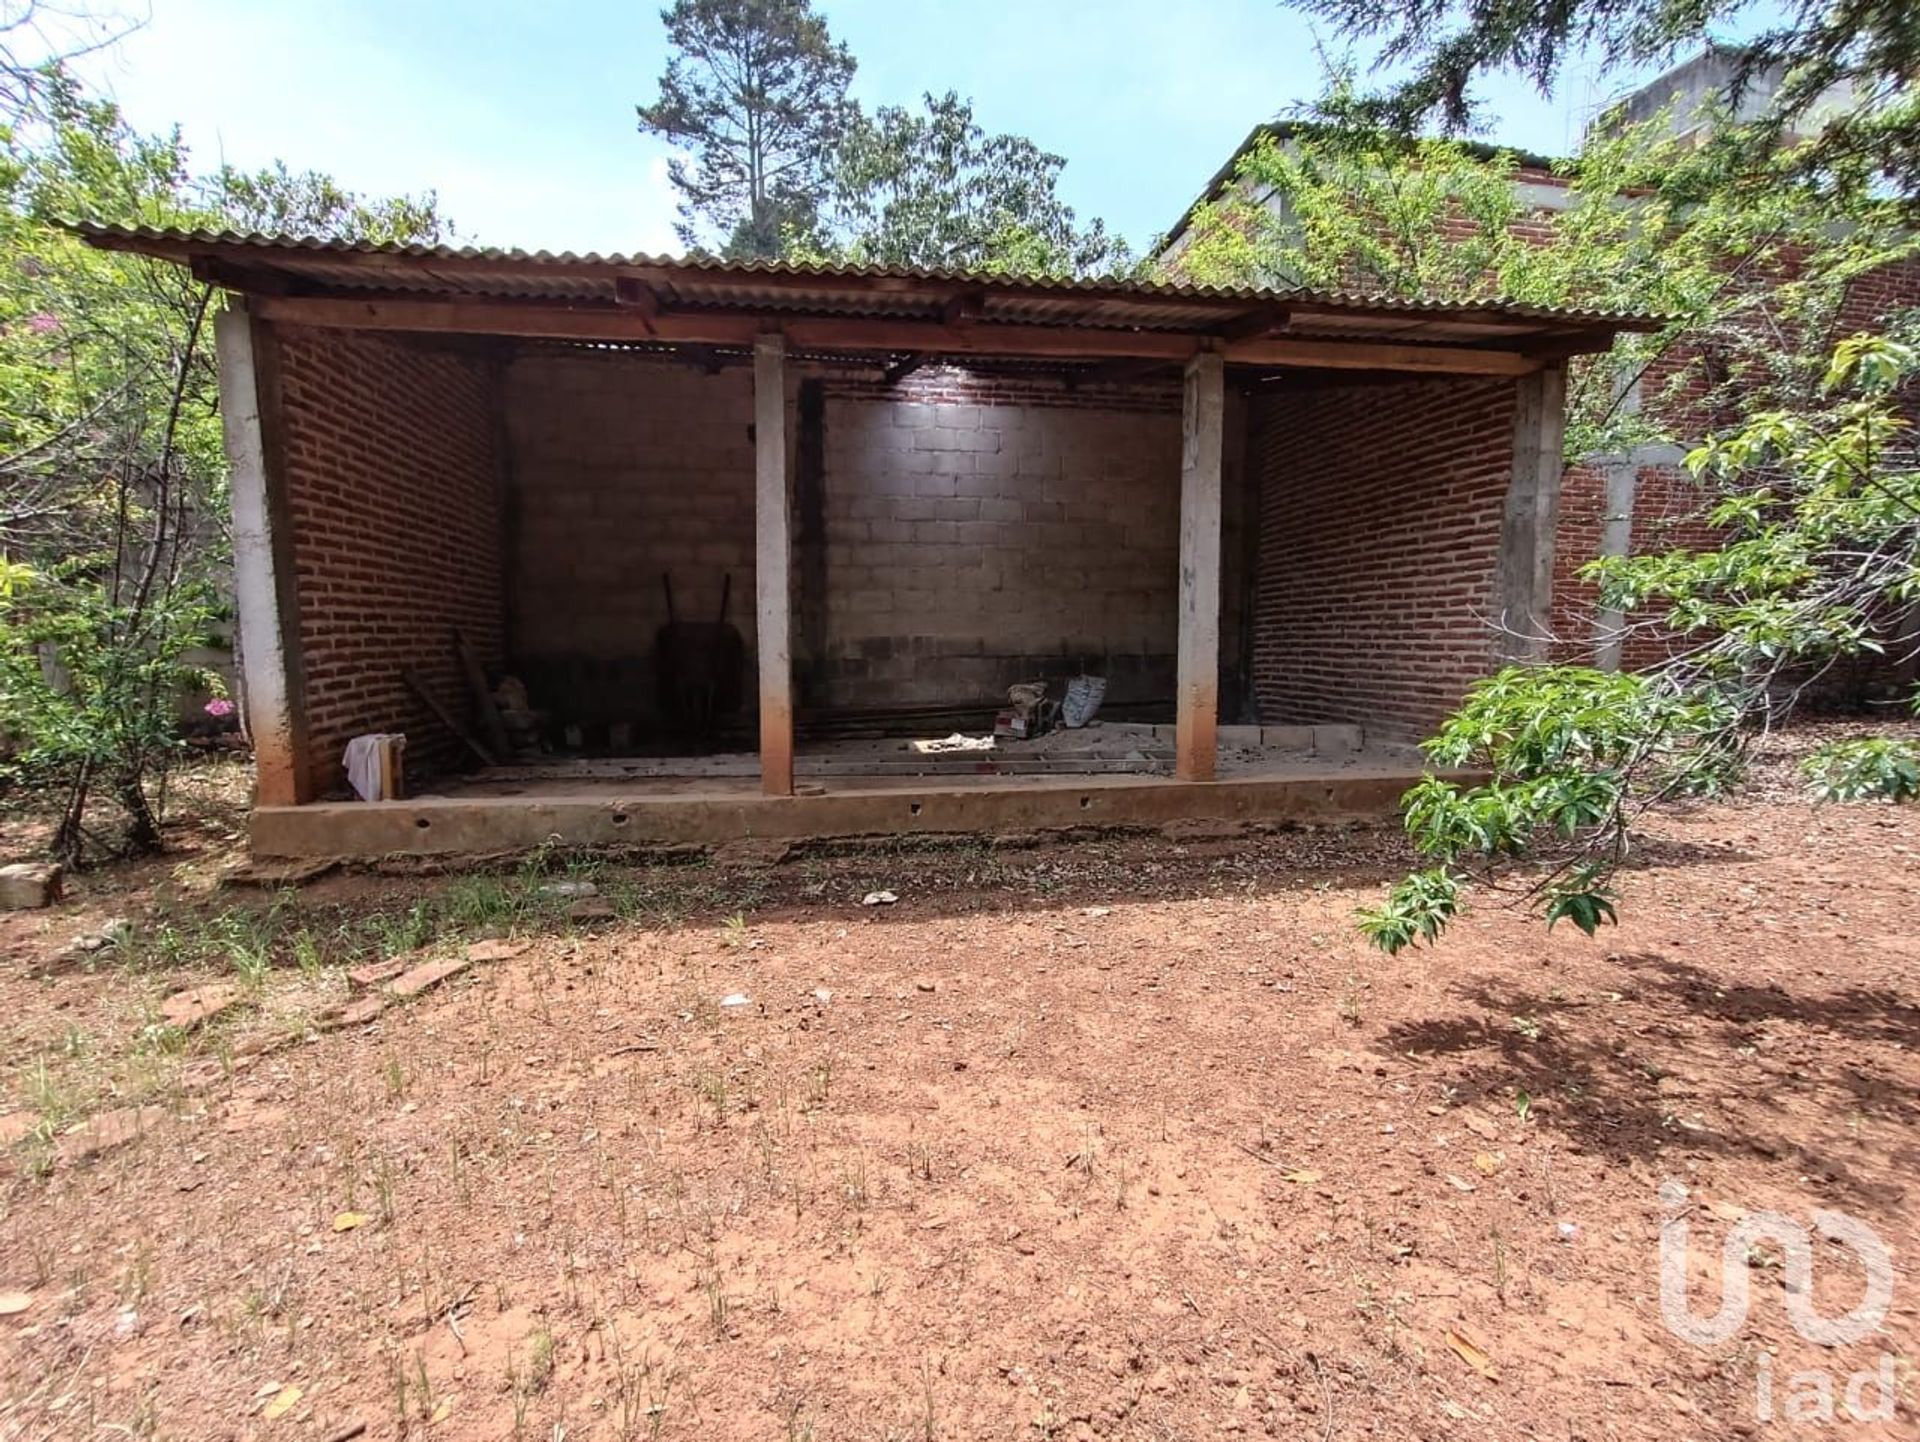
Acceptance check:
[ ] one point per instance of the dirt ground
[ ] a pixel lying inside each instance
(1118, 1138)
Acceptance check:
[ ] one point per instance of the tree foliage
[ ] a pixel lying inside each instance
(783, 164)
(932, 188)
(1820, 508)
(1649, 224)
(1866, 50)
(112, 473)
(1796, 432)
(756, 92)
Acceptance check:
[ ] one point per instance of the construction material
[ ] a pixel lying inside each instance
(446, 718)
(1082, 703)
(492, 728)
(373, 766)
(698, 667)
(943, 745)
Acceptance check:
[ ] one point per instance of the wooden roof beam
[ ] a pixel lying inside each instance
(904, 367)
(964, 308)
(1257, 324)
(1118, 372)
(633, 294)
(857, 334)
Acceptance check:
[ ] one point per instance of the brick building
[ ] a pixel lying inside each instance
(1303, 511)
(1640, 501)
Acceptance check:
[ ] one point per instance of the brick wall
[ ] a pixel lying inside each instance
(1379, 512)
(393, 492)
(953, 534)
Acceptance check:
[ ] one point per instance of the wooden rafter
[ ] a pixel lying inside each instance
(904, 367)
(863, 334)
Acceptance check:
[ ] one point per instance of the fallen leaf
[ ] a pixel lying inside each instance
(440, 1412)
(13, 1303)
(1489, 1162)
(347, 1221)
(282, 1403)
(1460, 1184)
(1728, 1211)
(1472, 1353)
(1306, 1176)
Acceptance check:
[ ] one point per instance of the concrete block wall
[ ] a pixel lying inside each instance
(964, 531)
(393, 490)
(623, 468)
(1379, 514)
(983, 530)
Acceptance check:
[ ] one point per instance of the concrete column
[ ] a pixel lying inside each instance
(1196, 700)
(773, 562)
(263, 574)
(1616, 539)
(1523, 581)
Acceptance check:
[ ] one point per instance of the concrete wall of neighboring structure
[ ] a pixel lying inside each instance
(1380, 511)
(387, 447)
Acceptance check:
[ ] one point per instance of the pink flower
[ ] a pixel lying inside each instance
(43, 324)
(219, 706)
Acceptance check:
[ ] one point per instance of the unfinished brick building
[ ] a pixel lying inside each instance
(1283, 511)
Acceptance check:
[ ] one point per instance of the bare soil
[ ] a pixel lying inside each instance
(1120, 1138)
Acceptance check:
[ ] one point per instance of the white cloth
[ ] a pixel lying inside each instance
(363, 763)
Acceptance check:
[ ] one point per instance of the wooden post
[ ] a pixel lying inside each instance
(1523, 581)
(773, 561)
(263, 574)
(1197, 682)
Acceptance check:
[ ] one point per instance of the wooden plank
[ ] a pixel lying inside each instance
(903, 368)
(636, 296)
(773, 564)
(1197, 666)
(855, 333)
(491, 726)
(446, 718)
(963, 308)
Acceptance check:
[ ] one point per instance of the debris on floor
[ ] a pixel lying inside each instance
(1082, 703)
(958, 741)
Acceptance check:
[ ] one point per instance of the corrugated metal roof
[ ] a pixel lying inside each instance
(697, 279)
(854, 309)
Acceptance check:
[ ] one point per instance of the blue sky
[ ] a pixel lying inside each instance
(521, 115)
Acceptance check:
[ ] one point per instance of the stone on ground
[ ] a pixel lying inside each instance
(29, 885)
(354, 1013)
(187, 1009)
(416, 979)
(375, 973)
(495, 949)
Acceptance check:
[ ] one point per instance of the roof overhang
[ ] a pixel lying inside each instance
(869, 311)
